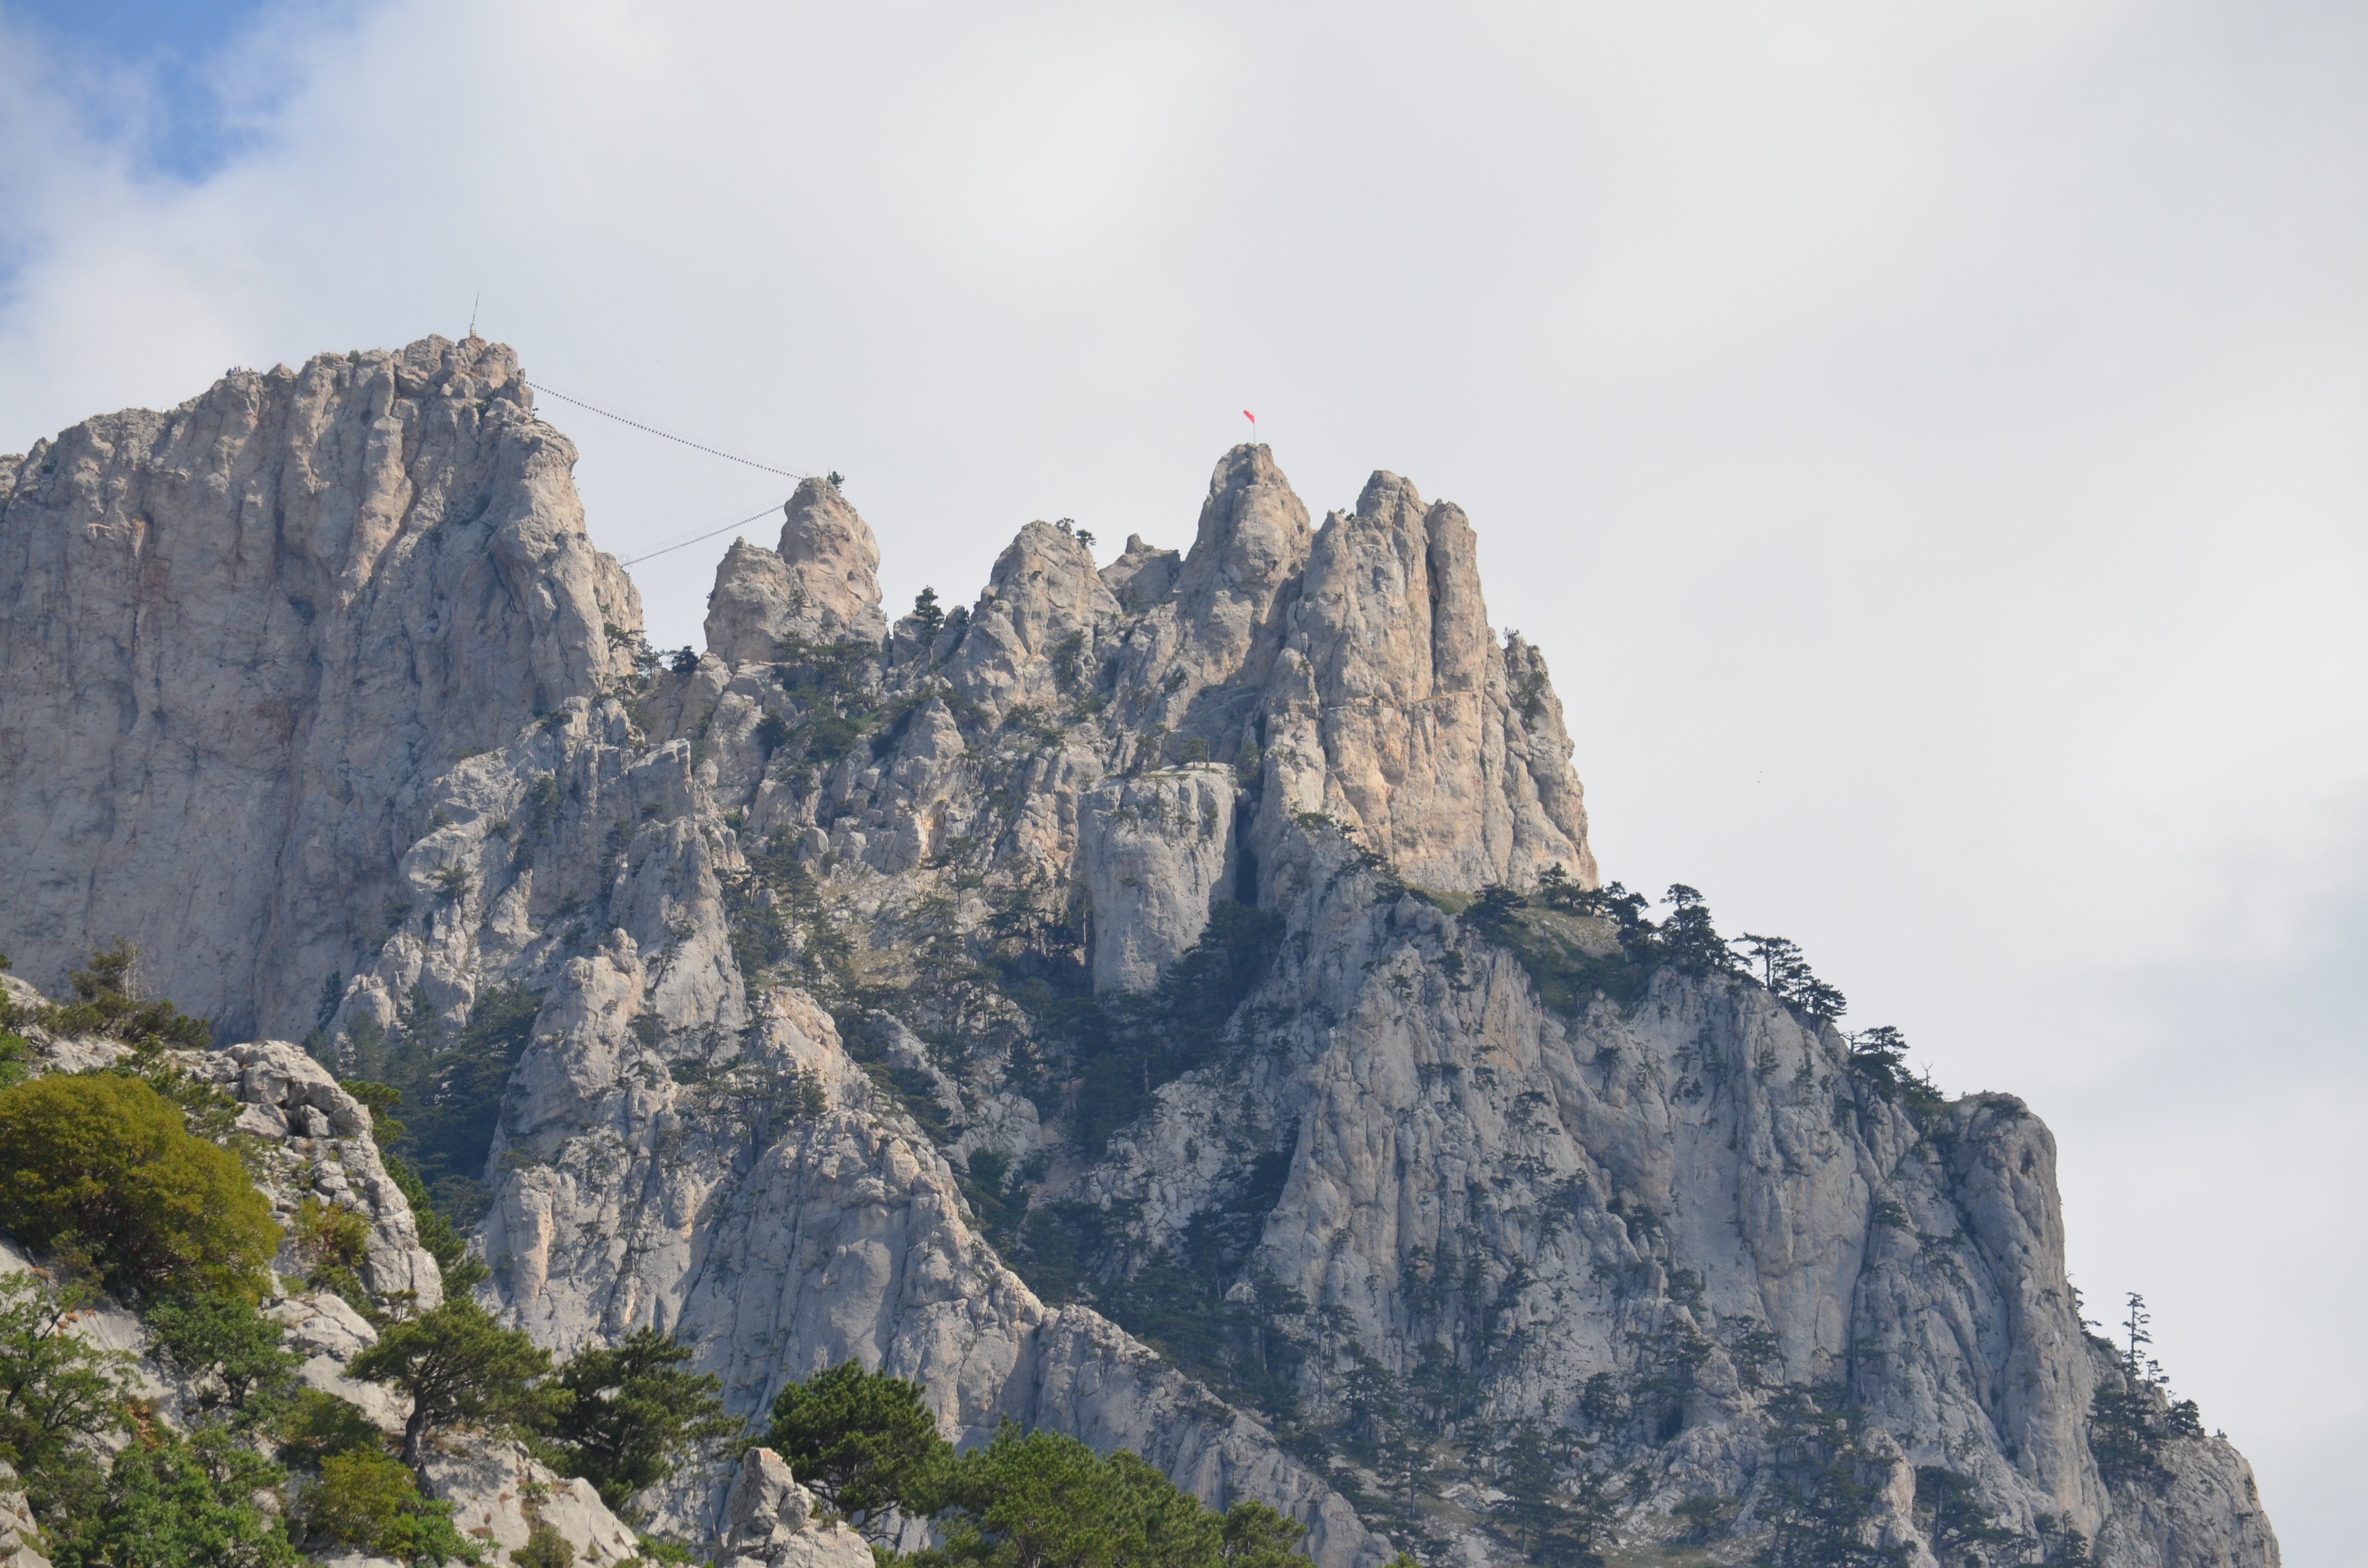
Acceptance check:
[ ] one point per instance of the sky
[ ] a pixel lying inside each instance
(1929, 443)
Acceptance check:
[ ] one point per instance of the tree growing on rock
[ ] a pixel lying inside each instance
(461, 1368)
(105, 1165)
(627, 1417)
(863, 1441)
(927, 619)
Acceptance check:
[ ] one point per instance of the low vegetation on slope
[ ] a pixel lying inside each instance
(129, 1182)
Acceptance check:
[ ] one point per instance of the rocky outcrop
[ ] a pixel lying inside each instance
(1155, 850)
(238, 641)
(885, 1013)
(500, 1495)
(308, 1141)
(770, 1521)
(19, 1533)
(821, 585)
(316, 1144)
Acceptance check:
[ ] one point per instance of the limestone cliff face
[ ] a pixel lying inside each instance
(820, 586)
(239, 639)
(1163, 1001)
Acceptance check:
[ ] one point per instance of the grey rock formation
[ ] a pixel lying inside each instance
(1157, 850)
(18, 1529)
(770, 1521)
(500, 1493)
(885, 1013)
(821, 585)
(240, 638)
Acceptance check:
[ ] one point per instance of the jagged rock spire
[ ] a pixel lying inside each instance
(822, 585)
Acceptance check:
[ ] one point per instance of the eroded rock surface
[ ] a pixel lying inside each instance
(885, 1012)
(240, 638)
(820, 586)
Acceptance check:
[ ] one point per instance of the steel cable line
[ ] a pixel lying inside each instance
(681, 441)
(661, 435)
(681, 543)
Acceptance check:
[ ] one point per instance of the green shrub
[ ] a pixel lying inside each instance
(867, 1443)
(365, 1498)
(105, 1162)
(222, 1345)
(314, 1424)
(57, 1391)
(335, 1243)
(627, 1417)
(108, 1004)
(359, 1501)
(544, 1547)
(181, 1502)
(1046, 1500)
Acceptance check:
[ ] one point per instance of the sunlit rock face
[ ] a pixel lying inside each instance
(1160, 1001)
(239, 641)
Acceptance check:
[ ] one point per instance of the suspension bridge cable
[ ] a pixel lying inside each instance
(661, 435)
(681, 543)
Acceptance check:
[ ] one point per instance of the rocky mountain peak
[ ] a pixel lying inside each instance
(833, 560)
(1083, 1010)
(1250, 547)
(271, 617)
(822, 585)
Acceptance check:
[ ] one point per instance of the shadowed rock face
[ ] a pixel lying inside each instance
(239, 639)
(886, 1013)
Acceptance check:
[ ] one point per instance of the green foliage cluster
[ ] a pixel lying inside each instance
(170, 1497)
(56, 1389)
(927, 619)
(103, 1167)
(367, 1500)
(175, 1500)
(107, 1003)
(863, 1441)
(624, 1418)
(449, 1084)
(1963, 1529)
(2130, 1412)
(835, 687)
(459, 1366)
(769, 933)
(869, 1447)
(1124, 1048)
(1821, 1499)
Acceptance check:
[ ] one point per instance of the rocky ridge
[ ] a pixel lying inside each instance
(1199, 941)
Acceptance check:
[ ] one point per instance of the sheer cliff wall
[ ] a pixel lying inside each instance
(1160, 1000)
(239, 639)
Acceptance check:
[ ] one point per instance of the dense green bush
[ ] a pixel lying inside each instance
(544, 1547)
(461, 1368)
(868, 1444)
(105, 1165)
(229, 1352)
(863, 1441)
(627, 1417)
(176, 1501)
(450, 1084)
(107, 1003)
(366, 1499)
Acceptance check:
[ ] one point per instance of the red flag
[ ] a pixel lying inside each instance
(1248, 415)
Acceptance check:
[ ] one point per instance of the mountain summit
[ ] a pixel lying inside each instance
(1172, 1003)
